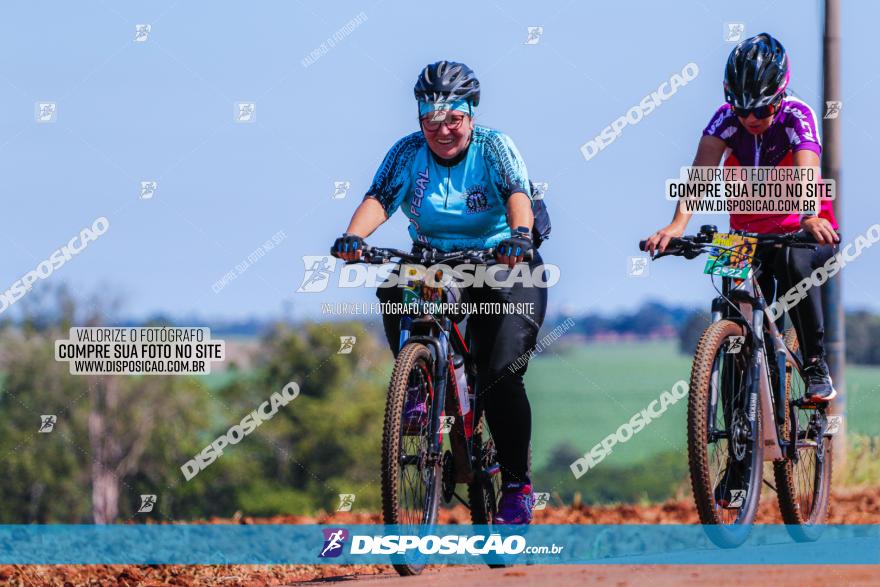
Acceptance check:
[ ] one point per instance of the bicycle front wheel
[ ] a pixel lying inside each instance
(410, 477)
(724, 449)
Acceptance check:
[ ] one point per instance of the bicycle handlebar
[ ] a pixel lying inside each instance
(692, 246)
(380, 255)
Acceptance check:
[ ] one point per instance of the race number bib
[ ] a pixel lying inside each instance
(731, 255)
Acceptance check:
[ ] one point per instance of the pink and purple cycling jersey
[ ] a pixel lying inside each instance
(793, 129)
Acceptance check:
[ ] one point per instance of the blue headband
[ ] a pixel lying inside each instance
(460, 105)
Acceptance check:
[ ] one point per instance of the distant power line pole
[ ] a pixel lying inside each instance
(832, 298)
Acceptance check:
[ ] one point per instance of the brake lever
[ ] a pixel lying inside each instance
(669, 252)
(368, 257)
(689, 252)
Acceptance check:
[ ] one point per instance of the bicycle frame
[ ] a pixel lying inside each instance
(441, 335)
(759, 376)
(441, 332)
(752, 313)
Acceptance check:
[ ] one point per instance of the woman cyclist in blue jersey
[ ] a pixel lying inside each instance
(464, 186)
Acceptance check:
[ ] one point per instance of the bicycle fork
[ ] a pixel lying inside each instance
(441, 369)
(438, 346)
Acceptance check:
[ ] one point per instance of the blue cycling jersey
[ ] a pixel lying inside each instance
(454, 206)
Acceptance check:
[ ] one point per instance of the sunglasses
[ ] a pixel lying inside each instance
(432, 121)
(760, 112)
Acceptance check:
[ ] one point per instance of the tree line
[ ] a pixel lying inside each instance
(116, 438)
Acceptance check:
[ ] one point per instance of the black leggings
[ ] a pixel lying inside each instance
(782, 269)
(497, 341)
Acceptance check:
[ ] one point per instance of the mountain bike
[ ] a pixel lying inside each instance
(435, 364)
(746, 402)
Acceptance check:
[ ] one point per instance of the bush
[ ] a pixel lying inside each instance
(690, 332)
(653, 480)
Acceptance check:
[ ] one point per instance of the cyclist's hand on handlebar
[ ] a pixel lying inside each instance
(821, 230)
(513, 250)
(348, 247)
(658, 241)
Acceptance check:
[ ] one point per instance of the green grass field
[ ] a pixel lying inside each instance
(583, 394)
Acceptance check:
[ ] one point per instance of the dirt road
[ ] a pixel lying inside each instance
(630, 576)
(848, 507)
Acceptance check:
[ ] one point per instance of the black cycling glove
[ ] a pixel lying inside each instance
(347, 243)
(515, 246)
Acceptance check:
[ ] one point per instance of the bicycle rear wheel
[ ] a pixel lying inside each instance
(803, 485)
(410, 479)
(484, 491)
(722, 455)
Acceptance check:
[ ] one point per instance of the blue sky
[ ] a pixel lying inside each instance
(163, 110)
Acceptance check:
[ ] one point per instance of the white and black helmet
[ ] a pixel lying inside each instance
(756, 73)
(447, 81)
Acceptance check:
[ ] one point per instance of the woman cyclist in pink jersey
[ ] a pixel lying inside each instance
(760, 125)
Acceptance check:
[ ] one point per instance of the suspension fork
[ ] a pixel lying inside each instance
(754, 375)
(715, 383)
(719, 305)
(719, 312)
(438, 346)
(441, 370)
(405, 327)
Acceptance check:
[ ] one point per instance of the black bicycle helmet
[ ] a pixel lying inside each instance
(756, 72)
(447, 81)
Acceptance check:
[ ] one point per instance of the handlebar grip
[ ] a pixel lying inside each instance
(802, 236)
(800, 240)
(674, 243)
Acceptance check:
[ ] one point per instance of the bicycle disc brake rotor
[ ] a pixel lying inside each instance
(815, 432)
(739, 434)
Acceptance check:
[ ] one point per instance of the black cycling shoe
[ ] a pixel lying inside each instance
(729, 492)
(819, 385)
